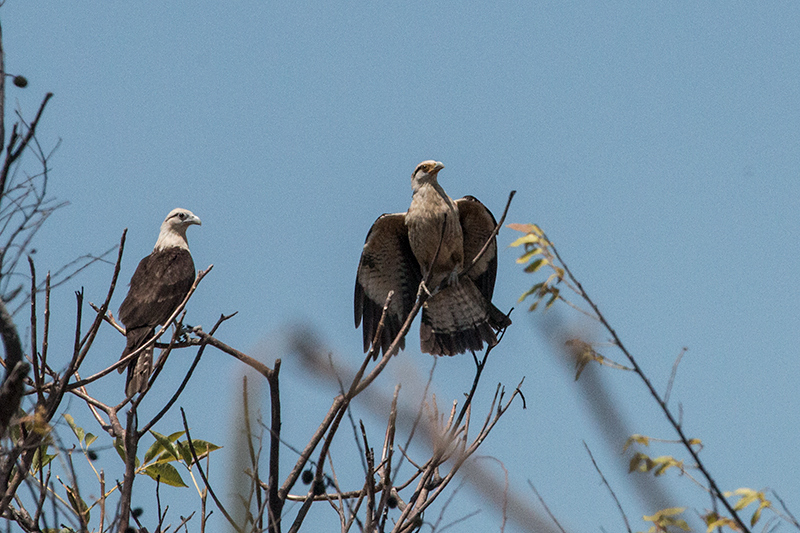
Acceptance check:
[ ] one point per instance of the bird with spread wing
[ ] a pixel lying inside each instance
(158, 286)
(399, 251)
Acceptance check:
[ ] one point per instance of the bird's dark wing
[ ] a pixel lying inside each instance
(158, 286)
(477, 224)
(387, 264)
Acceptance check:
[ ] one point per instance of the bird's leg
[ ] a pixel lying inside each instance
(453, 278)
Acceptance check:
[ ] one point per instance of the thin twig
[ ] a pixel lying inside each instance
(182, 386)
(203, 475)
(11, 153)
(672, 375)
(608, 486)
(546, 508)
(676, 426)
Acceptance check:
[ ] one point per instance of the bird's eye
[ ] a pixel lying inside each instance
(182, 215)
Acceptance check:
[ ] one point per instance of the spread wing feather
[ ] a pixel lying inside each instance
(387, 264)
(477, 224)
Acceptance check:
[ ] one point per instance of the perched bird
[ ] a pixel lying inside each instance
(400, 249)
(157, 288)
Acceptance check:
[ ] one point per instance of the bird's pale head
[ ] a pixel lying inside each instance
(173, 229)
(425, 173)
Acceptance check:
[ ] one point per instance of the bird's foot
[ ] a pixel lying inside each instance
(184, 332)
(453, 279)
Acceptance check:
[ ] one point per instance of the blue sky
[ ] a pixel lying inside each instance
(657, 144)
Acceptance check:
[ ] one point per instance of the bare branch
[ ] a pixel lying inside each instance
(664, 408)
(13, 151)
(203, 475)
(12, 389)
(608, 486)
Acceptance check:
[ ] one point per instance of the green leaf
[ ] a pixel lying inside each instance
(533, 290)
(40, 459)
(175, 436)
(166, 444)
(75, 429)
(536, 265)
(90, 439)
(77, 503)
(203, 448)
(186, 453)
(166, 457)
(165, 473)
(120, 447)
(153, 451)
(553, 298)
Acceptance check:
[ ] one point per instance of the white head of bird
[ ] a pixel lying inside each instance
(173, 229)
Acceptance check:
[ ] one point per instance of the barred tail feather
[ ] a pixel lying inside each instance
(140, 367)
(139, 371)
(457, 319)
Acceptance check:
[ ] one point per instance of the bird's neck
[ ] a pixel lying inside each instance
(169, 238)
(431, 193)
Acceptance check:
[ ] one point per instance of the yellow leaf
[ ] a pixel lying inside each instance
(525, 239)
(714, 521)
(639, 439)
(664, 515)
(528, 255)
(755, 517)
(744, 501)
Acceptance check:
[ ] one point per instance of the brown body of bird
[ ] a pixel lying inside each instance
(157, 288)
(400, 249)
